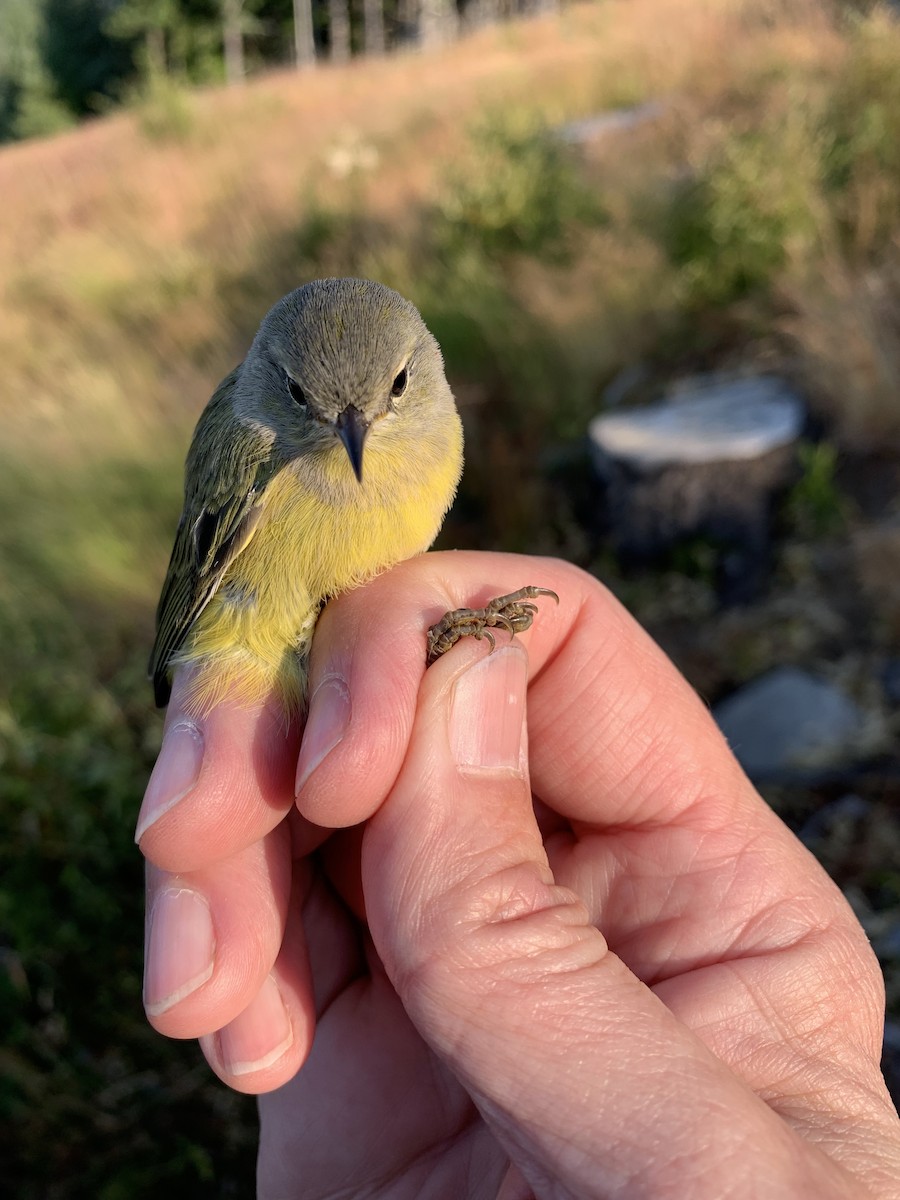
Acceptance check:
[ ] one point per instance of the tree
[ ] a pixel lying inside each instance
(152, 20)
(437, 22)
(373, 26)
(476, 13)
(132, 20)
(182, 37)
(29, 103)
(88, 67)
(339, 30)
(233, 39)
(304, 41)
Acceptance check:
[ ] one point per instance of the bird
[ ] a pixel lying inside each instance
(332, 452)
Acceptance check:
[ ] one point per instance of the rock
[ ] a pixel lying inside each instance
(789, 724)
(837, 820)
(891, 1058)
(592, 129)
(707, 461)
(892, 1035)
(890, 680)
(887, 945)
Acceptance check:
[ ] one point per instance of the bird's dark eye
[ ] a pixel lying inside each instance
(398, 387)
(297, 393)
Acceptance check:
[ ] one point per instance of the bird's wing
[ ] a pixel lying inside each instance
(225, 478)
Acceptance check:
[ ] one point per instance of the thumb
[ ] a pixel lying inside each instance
(581, 1072)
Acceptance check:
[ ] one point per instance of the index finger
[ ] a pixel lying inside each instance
(626, 726)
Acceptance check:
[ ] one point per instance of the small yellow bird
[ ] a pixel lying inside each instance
(332, 452)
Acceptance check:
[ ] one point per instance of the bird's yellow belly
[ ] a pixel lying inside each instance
(255, 632)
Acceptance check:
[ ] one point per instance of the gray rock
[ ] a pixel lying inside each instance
(788, 723)
(890, 680)
(838, 819)
(891, 1058)
(616, 120)
(887, 945)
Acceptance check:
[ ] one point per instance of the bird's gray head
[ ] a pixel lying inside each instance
(344, 359)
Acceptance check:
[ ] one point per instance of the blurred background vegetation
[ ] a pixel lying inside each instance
(753, 223)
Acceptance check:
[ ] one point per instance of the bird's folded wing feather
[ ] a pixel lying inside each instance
(225, 478)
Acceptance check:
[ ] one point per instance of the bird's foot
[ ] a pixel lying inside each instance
(513, 613)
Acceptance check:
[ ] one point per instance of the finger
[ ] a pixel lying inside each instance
(371, 1103)
(369, 658)
(220, 784)
(504, 975)
(266, 1044)
(213, 936)
(699, 867)
(630, 717)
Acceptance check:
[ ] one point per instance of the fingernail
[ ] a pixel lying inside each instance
(181, 946)
(329, 716)
(259, 1036)
(175, 773)
(487, 710)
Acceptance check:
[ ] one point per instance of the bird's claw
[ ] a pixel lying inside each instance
(514, 613)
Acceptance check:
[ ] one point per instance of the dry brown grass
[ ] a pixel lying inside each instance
(114, 245)
(104, 223)
(846, 328)
(134, 265)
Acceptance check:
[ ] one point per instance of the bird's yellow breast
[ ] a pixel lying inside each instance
(320, 533)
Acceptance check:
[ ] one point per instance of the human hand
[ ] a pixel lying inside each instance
(641, 985)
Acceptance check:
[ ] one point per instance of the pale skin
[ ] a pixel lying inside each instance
(640, 985)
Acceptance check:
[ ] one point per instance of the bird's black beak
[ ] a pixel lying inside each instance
(352, 428)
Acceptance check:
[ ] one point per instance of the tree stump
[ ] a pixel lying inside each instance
(706, 462)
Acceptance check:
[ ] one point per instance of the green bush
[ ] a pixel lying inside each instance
(164, 109)
(732, 225)
(861, 128)
(815, 506)
(519, 192)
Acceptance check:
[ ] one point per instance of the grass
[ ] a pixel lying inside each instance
(755, 221)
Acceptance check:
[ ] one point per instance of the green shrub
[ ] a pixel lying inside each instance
(861, 128)
(520, 192)
(164, 109)
(815, 506)
(732, 225)
(41, 114)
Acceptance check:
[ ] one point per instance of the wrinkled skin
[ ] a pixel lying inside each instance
(640, 985)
